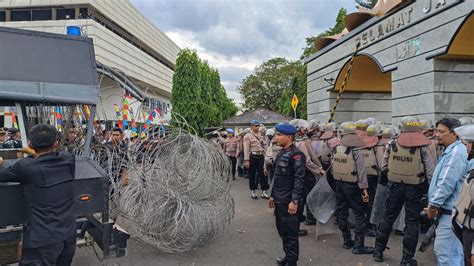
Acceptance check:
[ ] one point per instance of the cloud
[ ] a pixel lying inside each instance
(235, 36)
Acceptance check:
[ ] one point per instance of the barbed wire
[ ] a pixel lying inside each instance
(178, 192)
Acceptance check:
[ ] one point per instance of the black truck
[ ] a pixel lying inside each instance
(42, 71)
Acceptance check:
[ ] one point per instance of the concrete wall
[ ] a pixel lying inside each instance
(121, 12)
(407, 51)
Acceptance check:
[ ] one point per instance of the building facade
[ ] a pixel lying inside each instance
(124, 41)
(416, 59)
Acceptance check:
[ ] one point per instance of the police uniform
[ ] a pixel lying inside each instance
(407, 166)
(230, 150)
(254, 152)
(49, 235)
(351, 179)
(373, 157)
(463, 218)
(270, 154)
(330, 141)
(313, 173)
(288, 182)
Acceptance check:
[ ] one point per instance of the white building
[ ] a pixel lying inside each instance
(124, 41)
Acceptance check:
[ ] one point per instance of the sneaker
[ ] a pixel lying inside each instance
(264, 195)
(254, 195)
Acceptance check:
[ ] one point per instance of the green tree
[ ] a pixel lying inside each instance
(186, 90)
(197, 94)
(338, 28)
(369, 4)
(272, 86)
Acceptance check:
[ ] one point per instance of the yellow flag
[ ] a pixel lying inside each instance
(294, 102)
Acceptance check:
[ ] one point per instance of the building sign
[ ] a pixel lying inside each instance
(394, 22)
(409, 48)
(405, 17)
(430, 5)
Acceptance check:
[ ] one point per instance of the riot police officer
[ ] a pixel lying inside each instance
(373, 156)
(463, 222)
(314, 169)
(287, 191)
(330, 141)
(407, 166)
(351, 187)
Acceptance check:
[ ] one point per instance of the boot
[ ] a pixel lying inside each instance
(264, 195)
(302, 232)
(348, 242)
(408, 260)
(378, 256)
(359, 247)
(310, 220)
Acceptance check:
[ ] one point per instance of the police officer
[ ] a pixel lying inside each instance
(242, 172)
(427, 129)
(407, 166)
(13, 141)
(254, 149)
(463, 222)
(230, 150)
(314, 169)
(287, 191)
(373, 156)
(49, 235)
(270, 154)
(330, 141)
(351, 187)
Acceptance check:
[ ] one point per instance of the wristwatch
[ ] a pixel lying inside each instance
(295, 201)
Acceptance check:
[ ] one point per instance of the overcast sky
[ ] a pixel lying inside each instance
(235, 36)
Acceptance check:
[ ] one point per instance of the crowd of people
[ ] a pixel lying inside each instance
(405, 177)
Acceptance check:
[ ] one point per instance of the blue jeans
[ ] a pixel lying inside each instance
(447, 247)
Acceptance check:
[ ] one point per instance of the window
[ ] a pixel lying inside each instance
(3, 15)
(21, 15)
(42, 14)
(65, 13)
(83, 13)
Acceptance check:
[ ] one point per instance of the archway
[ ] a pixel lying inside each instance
(366, 76)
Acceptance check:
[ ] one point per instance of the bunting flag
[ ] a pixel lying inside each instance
(125, 112)
(145, 120)
(59, 121)
(14, 122)
(87, 112)
(118, 116)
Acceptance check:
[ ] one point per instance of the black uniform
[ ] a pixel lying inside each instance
(49, 235)
(288, 182)
(12, 143)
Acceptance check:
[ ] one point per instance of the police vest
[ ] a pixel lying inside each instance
(326, 152)
(464, 211)
(405, 165)
(370, 161)
(343, 165)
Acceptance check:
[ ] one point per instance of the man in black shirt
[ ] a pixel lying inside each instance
(49, 234)
(287, 191)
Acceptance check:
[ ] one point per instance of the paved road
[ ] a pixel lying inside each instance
(252, 239)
